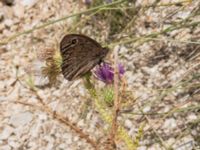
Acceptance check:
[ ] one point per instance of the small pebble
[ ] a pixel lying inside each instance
(6, 132)
(8, 22)
(21, 119)
(28, 3)
(170, 123)
(128, 123)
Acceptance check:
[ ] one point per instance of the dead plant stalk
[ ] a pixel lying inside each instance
(116, 99)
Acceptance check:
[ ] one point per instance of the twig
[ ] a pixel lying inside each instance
(116, 100)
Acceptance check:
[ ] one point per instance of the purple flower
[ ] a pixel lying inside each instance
(105, 72)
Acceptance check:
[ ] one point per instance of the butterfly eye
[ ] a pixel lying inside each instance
(74, 41)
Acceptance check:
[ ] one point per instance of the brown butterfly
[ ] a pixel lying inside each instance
(79, 55)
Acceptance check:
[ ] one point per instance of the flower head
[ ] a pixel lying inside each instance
(105, 72)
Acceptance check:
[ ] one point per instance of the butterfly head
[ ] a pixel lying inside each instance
(105, 51)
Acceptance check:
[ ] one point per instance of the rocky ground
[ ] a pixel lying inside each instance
(161, 60)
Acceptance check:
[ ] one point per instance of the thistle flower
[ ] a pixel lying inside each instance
(105, 72)
(52, 68)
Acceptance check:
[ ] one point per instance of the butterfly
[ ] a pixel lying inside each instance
(79, 55)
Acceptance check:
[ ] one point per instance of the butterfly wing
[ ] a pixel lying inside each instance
(82, 69)
(80, 58)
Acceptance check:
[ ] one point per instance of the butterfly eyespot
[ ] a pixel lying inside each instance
(74, 41)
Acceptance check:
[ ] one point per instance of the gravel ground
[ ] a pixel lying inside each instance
(162, 75)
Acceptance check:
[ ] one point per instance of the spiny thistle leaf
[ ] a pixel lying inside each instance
(108, 95)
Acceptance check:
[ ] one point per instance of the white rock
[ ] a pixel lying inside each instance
(194, 132)
(123, 50)
(133, 131)
(54, 105)
(170, 123)
(13, 144)
(3, 98)
(34, 132)
(183, 15)
(19, 11)
(81, 123)
(16, 60)
(56, 93)
(49, 146)
(191, 117)
(166, 109)
(42, 94)
(142, 148)
(155, 147)
(68, 138)
(128, 123)
(170, 141)
(7, 131)
(32, 144)
(42, 116)
(146, 109)
(8, 22)
(76, 138)
(21, 119)
(5, 147)
(186, 143)
(28, 3)
(82, 91)
(62, 146)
